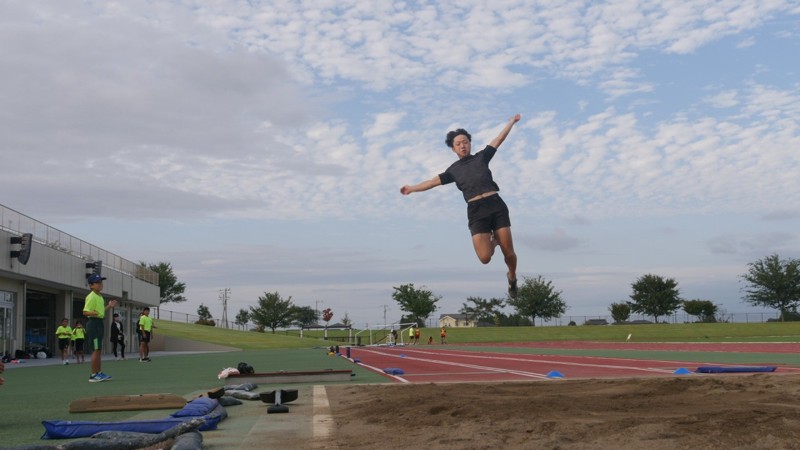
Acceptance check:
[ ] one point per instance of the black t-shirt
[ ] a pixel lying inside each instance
(471, 174)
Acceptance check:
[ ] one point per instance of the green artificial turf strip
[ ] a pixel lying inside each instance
(33, 394)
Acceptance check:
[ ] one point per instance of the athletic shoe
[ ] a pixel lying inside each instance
(102, 376)
(141, 360)
(147, 359)
(512, 288)
(94, 378)
(66, 363)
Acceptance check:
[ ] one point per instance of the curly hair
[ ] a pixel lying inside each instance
(452, 135)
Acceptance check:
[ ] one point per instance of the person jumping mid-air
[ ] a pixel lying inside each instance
(487, 213)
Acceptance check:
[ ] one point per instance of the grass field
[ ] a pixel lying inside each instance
(33, 394)
(691, 332)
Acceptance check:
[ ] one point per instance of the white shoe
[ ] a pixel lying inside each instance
(66, 363)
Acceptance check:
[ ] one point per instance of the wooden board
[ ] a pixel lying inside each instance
(127, 403)
(312, 376)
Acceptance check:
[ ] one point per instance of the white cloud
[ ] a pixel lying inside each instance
(311, 115)
(725, 99)
(384, 123)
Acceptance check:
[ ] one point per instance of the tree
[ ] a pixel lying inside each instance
(773, 283)
(304, 316)
(655, 296)
(538, 298)
(346, 320)
(418, 303)
(327, 315)
(705, 310)
(204, 315)
(170, 290)
(272, 312)
(242, 318)
(620, 312)
(481, 310)
(513, 320)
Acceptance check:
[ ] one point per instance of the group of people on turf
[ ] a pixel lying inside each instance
(71, 338)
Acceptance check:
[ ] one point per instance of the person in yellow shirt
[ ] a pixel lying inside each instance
(146, 326)
(95, 309)
(78, 338)
(64, 336)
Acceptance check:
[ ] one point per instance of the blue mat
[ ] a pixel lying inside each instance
(208, 409)
(735, 369)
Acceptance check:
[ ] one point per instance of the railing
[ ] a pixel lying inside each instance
(19, 223)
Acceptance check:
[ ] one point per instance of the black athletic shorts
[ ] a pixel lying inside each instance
(95, 329)
(63, 343)
(145, 336)
(487, 214)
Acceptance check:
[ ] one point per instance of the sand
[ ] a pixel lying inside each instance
(750, 411)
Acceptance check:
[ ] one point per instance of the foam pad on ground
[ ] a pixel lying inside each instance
(394, 371)
(735, 369)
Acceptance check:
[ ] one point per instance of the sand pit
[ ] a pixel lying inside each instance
(760, 411)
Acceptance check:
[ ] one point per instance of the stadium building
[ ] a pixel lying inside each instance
(43, 275)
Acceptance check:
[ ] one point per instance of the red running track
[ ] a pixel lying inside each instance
(724, 347)
(448, 364)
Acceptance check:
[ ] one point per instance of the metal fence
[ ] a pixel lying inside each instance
(19, 223)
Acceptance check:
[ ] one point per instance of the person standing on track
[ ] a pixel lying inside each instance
(78, 342)
(64, 335)
(146, 326)
(487, 213)
(95, 310)
(117, 338)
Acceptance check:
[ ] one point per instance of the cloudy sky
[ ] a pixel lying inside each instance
(260, 146)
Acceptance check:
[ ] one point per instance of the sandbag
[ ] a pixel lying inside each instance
(197, 407)
(244, 395)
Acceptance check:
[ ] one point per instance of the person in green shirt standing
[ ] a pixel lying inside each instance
(146, 327)
(78, 337)
(95, 310)
(64, 335)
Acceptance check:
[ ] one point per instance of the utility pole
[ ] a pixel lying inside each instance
(316, 309)
(385, 308)
(223, 295)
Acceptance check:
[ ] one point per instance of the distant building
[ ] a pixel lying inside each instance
(43, 279)
(456, 321)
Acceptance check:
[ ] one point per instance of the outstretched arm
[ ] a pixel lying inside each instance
(507, 129)
(424, 186)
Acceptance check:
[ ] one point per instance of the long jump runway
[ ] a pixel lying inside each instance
(422, 364)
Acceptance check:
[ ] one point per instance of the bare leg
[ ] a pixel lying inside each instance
(96, 361)
(503, 237)
(484, 246)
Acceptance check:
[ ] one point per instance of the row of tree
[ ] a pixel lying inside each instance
(771, 282)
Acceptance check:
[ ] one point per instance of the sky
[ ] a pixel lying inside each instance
(261, 146)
